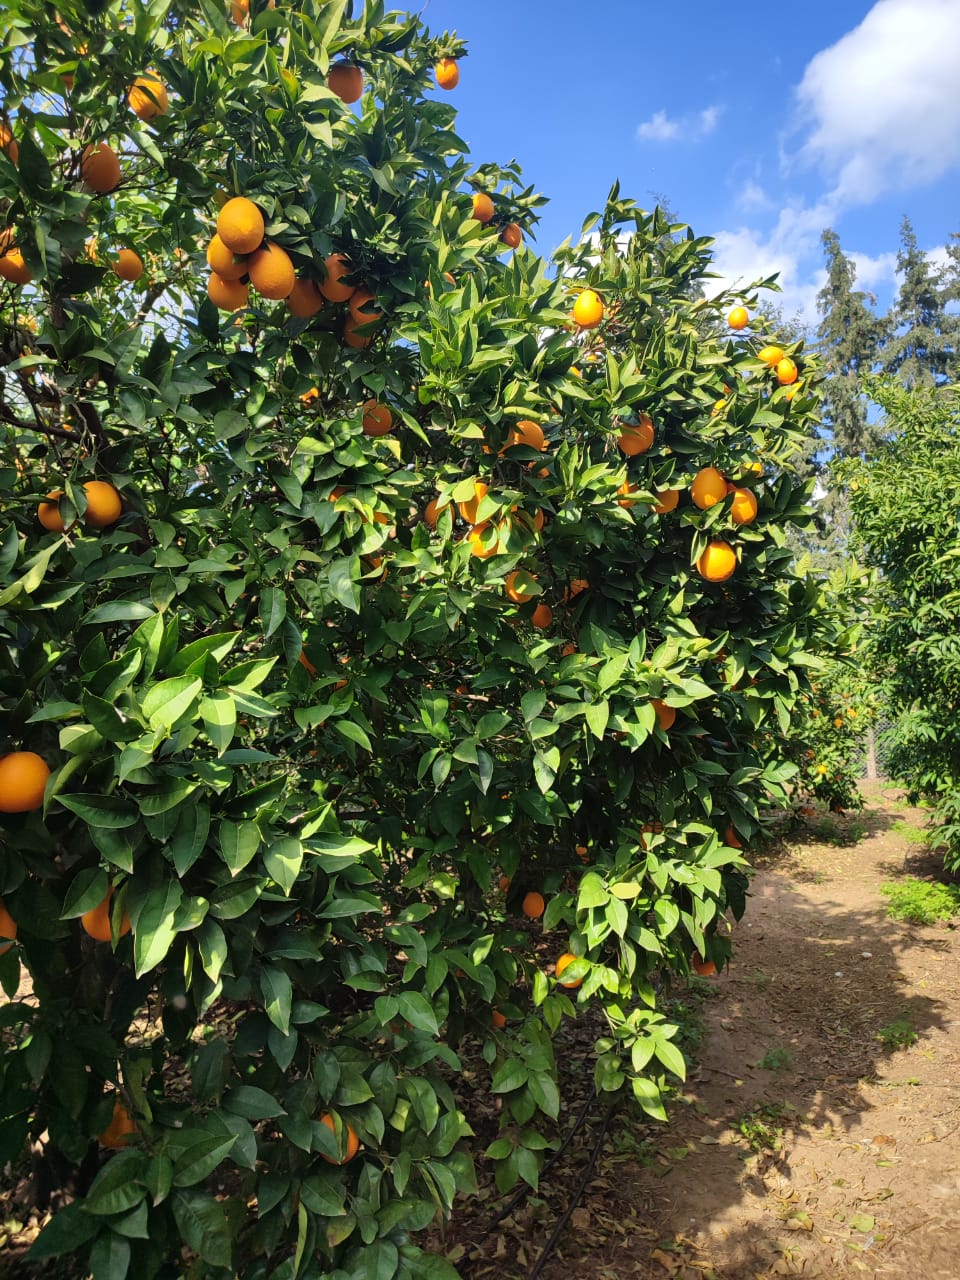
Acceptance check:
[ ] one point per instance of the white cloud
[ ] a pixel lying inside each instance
(881, 106)
(753, 197)
(689, 128)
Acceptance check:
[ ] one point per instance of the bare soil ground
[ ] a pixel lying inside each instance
(803, 1145)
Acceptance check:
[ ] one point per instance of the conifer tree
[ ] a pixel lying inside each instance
(922, 348)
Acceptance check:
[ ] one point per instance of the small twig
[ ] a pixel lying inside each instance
(565, 1216)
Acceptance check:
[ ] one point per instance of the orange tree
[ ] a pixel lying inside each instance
(374, 634)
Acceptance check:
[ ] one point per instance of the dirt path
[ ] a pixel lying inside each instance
(839, 1155)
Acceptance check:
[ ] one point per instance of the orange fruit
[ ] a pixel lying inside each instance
(100, 168)
(240, 225)
(582, 852)
(271, 272)
(96, 921)
(8, 927)
(377, 418)
(228, 295)
(305, 299)
(350, 335)
(476, 539)
(23, 777)
(103, 504)
(121, 1127)
(48, 513)
(129, 265)
(666, 716)
(730, 837)
(518, 594)
(13, 267)
(787, 371)
(432, 511)
(512, 235)
(224, 261)
(362, 305)
(8, 143)
(838, 723)
(542, 616)
(588, 309)
(497, 1019)
(636, 438)
(482, 206)
(568, 649)
(332, 286)
(305, 661)
(771, 356)
(717, 562)
(503, 884)
(527, 433)
(352, 1144)
(240, 12)
(345, 79)
(534, 905)
(564, 962)
(626, 489)
(577, 585)
(669, 498)
(738, 318)
(447, 73)
(705, 968)
(744, 507)
(147, 97)
(708, 487)
(468, 509)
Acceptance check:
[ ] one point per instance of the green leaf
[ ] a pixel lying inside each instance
(343, 580)
(118, 1186)
(511, 1075)
(543, 1090)
(200, 1158)
(165, 702)
(152, 915)
(277, 996)
(67, 1231)
(100, 811)
(219, 714)
(593, 892)
(671, 1057)
(202, 1222)
(239, 842)
(283, 860)
(252, 1103)
(273, 610)
(416, 1009)
(597, 714)
(110, 1257)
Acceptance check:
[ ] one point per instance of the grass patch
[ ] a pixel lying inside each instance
(826, 829)
(776, 1059)
(922, 901)
(898, 1035)
(909, 832)
(762, 1129)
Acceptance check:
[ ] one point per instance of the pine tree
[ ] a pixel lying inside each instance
(923, 348)
(850, 335)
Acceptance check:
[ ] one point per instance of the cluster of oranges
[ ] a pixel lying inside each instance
(104, 507)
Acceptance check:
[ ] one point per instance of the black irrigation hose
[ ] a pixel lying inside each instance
(565, 1216)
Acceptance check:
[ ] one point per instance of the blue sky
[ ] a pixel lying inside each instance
(843, 113)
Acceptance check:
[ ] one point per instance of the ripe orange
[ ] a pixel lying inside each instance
(588, 309)
(482, 206)
(738, 318)
(468, 509)
(636, 438)
(564, 962)
(129, 265)
(8, 927)
(787, 371)
(96, 921)
(666, 716)
(48, 513)
(8, 143)
(240, 12)
(305, 661)
(669, 498)
(838, 722)
(240, 225)
(23, 777)
(542, 616)
(708, 487)
(120, 1128)
(103, 504)
(519, 594)
(377, 418)
(350, 335)
(512, 235)
(100, 168)
(626, 489)
(346, 81)
(476, 538)
(731, 838)
(448, 73)
(332, 287)
(147, 98)
(717, 562)
(527, 433)
(497, 1019)
(534, 905)
(305, 299)
(13, 267)
(705, 968)
(352, 1144)
(271, 272)
(362, 305)
(568, 649)
(432, 511)
(503, 884)
(228, 295)
(224, 261)
(744, 507)
(771, 356)
(577, 585)
(582, 852)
